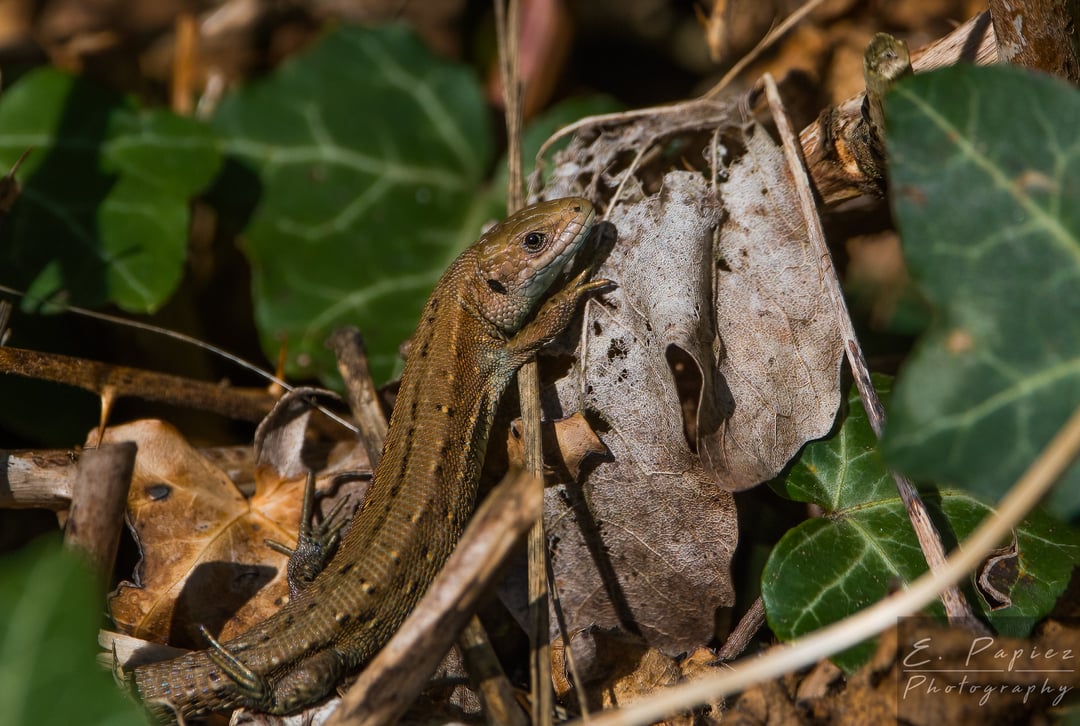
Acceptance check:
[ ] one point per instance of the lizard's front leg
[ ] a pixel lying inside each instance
(555, 315)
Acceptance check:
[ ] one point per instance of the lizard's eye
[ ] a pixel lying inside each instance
(534, 241)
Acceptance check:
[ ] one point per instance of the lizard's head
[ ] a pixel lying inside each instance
(520, 257)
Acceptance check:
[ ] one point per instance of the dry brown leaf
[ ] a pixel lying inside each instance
(569, 441)
(622, 669)
(577, 441)
(714, 273)
(205, 558)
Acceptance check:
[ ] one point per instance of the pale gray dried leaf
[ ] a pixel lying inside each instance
(280, 436)
(781, 345)
(645, 542)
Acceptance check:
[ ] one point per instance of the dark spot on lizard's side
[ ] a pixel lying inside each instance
(439, 469)
(342, 619)
(406, 455)
(214, 676)
(346, 568)
(312, 605)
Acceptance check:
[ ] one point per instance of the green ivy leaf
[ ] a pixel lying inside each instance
(985, 173)
(103, 211)
(49, 614)
(830, 567)
(366, 157)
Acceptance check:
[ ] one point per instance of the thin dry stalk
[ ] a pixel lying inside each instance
(957, 609)
(508, 31)
(185, 60)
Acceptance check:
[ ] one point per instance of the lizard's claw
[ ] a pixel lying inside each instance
(581, 285)
(599, 285)
(248, 682)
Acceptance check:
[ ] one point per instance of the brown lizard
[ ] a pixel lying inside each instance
(478, 327)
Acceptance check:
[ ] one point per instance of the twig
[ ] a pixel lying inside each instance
(496, 693)
(5, 321)
(97, 505)
(836, 144)
(391, 682)
(747, 627)
(190, 340)
(352, 362)
(45, 478)
(246, 404)
(567, 649)
(1039, 34)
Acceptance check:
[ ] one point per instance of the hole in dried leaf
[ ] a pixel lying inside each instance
(687, 378)
(617, 349)
(622, 162)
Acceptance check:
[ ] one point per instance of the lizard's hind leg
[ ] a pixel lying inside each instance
(306, 683)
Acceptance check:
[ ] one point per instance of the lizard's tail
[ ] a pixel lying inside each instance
(188, 686)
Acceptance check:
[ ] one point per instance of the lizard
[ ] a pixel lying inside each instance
(483, 321)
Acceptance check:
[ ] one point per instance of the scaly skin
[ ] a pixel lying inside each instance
(474, 335)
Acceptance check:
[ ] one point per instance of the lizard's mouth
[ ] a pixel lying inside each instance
(584, 248)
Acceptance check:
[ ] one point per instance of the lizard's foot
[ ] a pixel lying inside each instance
(315, 544)
(308, 682)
